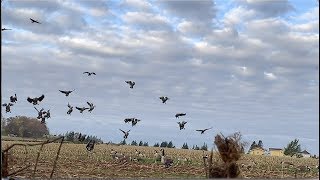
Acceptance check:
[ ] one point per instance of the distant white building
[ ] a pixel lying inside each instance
(305, 154)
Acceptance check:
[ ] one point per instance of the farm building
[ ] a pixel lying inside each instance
(257, 151)
(305, 154)
(276, 152)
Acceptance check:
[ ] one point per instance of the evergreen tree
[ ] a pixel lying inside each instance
(170, 145)
(140, 143)
(292, 148)
(134, 143)
(156, 145)
(185, 146)
(145, 144)
(260, 144)
(164, 144)
(204, 147)
(253, 145)
(123, 142)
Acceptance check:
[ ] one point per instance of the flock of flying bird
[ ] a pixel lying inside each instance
(43, 115)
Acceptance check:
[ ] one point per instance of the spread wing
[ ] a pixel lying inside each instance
(199, 130)
(41, 97)
(36, 108)
(29, 100)
(5, 104)
(207, 128)
(85, 72)
(69, 105)
(90, 104)
(128, 131)
(93, 73)
(133, 83)
(78, 108)
(122, 131)
(65, 92)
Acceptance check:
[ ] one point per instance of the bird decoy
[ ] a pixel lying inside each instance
(131, 83)
(203, 130)
(167, 161)
(126, 134)
(180, 114)
(34, 21)
(164, 99)
(40, 113)
(35, 100)
(8, 109)
(90, 145)
(66, 92)
(70, 109)
(81, 137)
(5, 29)
(181, 124)
(89, 73)
(135, 121)
(13, 99)
(81, 109)
(91, 106)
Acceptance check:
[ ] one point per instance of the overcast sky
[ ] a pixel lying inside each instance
(243, 65)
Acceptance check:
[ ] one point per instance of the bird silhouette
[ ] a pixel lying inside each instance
(181, 124)
(91, 106)
(40, 113)
(34, 21)
(66, 92)
(35, 100)
(8, 109)
(13, 99)
(81, 109)
(5, 29)
(90, 145)
(47, 114)
(70, 109)
(126, 133)
(89, 73)
(180, 114)
(131, 83)
(128, 120)
(135, 121)
(203, 130)
(164, 99)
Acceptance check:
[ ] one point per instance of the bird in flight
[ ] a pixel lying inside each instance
(35, 100)
(40, 113)
(181, 124)
(66, 92)
(81, 109)
(34, 21)
(89, 73)
(7, 107)
(126, 134)
(131, 83)
(5, 29)
(91, 106)
(128, 120)
(180, 114)
(13, 99)
(70, 109)
(47, 114)
(164, 99)
(135, 121)
(203, 130)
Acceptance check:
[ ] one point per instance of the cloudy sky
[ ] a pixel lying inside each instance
(238, 65)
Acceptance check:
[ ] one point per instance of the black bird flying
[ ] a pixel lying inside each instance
(89, 73)
(164, 99)
(131, 83)
(35, 100)
(34, 21)
(126, 134)
(66, 92)
(180, 114)
(203, 130)
(81, 109)
(181, 124)
(13, 99)
(8, 109)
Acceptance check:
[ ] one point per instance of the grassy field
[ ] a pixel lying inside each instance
(75, 161)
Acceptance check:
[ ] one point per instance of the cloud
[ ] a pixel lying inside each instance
(269, 76)
(146, 20)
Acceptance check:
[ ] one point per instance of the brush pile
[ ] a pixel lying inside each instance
(230, 150)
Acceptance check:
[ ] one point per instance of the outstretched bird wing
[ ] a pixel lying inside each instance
(29, 100)
(41, 97)
(36, 109)
(78, 108)
(207, 128)
(90, 104)
(122, 131)
(86, 72)
(5, 104)
(65, 92)
(93, 73)
(199, 130)
(69, 105)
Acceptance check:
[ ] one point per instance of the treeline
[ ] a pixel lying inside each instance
(195, 147)
(74, 137)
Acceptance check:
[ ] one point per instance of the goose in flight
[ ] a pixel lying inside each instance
(126, 134)
(91, 106)
(128, 120)
(203, 130)
(34, 21)
(8, 109)
(131, 83)
(164, 99)
(40, 113)
(70, 109)
(81, 109)
(89, 73)
(13, 99)
(181, 124)
(4, 29)
(47, 114)
(180, 114)
(66, 92)
(135, 121)
(35, 100)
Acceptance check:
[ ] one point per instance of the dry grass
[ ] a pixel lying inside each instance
(75, 161)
